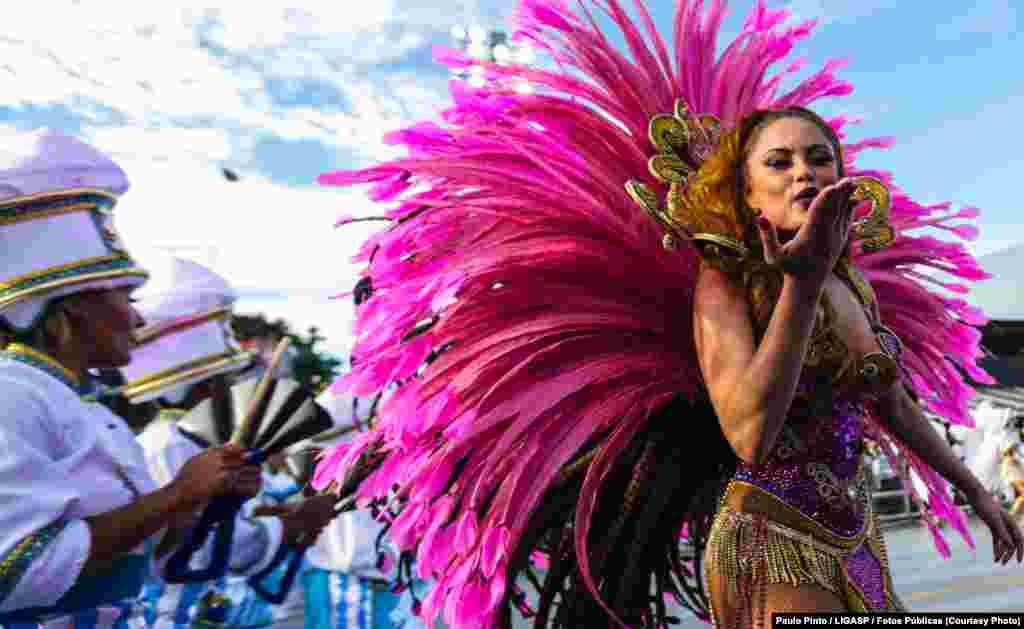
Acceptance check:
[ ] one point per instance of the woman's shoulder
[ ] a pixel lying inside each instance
(715, 278)
(717, 292)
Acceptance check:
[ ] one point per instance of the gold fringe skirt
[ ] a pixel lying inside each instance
(757, 539)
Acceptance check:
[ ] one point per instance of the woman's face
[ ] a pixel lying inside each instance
(105, 322)
(790, 161)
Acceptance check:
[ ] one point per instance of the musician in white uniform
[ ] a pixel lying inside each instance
(81, 521)
(282, 491)
(186, 344)
(350, 580)
(186, 349)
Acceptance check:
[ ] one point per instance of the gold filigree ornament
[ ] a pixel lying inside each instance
(873, 230)
(684, 140)
(870, 374)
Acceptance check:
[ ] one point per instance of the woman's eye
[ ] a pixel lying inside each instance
(823, 160)
(778, 164)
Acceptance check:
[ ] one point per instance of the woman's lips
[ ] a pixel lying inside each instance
(806, 197)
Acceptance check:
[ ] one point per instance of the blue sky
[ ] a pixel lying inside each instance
(944, 82)
(281, 95)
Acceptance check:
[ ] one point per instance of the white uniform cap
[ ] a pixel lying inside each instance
(57, 237)
(188, 336)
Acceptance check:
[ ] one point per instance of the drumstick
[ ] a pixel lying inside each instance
(261, 390)
(334, 433)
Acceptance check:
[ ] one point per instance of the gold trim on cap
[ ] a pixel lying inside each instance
(153, 332)
(70, 281)
(61, 268)
(47, 213)
(58, 194)
(167, 378)
(96, 202)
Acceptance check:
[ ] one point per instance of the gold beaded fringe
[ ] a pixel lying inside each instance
(750, 551)
(788, 556)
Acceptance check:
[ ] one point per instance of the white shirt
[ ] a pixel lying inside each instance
(62, 459)
(166, 451)
(255, 541)
(259, 612)
(349, 543)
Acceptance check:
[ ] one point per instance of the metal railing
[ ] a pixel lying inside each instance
(906, 510)
(907, 513)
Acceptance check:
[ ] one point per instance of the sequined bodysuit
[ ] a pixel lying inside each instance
(816, 467)
(804, 515)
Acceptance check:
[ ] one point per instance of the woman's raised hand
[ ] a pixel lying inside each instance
(817, 245)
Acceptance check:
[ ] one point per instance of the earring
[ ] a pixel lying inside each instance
(874, 230)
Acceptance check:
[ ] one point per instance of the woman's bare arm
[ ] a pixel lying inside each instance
(905, 420)
(752, 388)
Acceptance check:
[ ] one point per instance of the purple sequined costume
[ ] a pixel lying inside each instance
(814, 506)
(815, 467)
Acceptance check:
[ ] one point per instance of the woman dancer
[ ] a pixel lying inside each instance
(798, 364)
(783, 325)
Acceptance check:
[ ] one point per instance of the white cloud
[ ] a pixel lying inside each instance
(266, 235)
(160, 68)
(138, 62)
(1000, 296)
(261, 236)
(988, 245)
(162, 144)
(332, 317)
(270, 24)
(174, 91)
